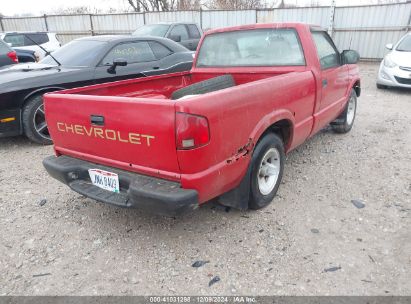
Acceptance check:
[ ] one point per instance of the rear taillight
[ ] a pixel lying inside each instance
(13, 56)
(192, 131)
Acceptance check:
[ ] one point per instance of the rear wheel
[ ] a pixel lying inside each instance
(34, 121)
(344, 123)
(267, 170)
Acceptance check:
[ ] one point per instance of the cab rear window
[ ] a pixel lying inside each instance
(193, 31)
(259, 47)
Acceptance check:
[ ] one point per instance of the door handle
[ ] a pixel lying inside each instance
(156, 68)
(324, 82)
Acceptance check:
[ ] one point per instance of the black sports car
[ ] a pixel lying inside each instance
(81, 62)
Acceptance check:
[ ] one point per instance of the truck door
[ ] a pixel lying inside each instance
(334, 79)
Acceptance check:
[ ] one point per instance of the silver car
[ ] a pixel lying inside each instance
(395, 69)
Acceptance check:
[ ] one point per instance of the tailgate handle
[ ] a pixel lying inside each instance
(97, 120)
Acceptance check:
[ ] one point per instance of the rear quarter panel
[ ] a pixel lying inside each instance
(237, 117)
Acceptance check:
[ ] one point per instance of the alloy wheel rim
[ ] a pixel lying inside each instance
(39, 122)
(269, 171)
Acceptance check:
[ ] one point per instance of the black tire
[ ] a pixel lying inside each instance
(34, 123)
(269, 142)
(344, 123)
(381, 86)
(206, 86)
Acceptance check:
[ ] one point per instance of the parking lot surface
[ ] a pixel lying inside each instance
(312, 239)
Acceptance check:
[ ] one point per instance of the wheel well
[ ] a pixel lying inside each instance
(357, 88)
(239, 196)
(283, 128)
(40, 92)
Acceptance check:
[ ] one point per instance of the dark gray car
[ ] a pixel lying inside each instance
(7, 54)
(187, 34)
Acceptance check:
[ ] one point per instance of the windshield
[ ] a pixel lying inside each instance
(260, 47)
(76, 53)
(405, 44)
(159, 30)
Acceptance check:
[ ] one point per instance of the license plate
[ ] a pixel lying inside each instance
(104, 180)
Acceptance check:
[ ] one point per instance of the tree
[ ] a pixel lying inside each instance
(185, 5)
(75, 10)
(151, 5)
(235, 4)
(164, 5)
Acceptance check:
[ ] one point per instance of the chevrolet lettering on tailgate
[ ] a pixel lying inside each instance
(133, 138)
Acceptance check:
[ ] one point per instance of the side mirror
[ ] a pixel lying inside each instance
(389, 46)
(350, 57)
(176, 38)
(116, 62)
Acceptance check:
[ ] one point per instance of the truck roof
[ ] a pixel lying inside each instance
(263, 25)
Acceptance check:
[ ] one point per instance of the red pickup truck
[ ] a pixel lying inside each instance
(170, 143)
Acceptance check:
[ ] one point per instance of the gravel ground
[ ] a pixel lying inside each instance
(311, 240)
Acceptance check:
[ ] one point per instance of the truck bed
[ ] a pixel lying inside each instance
(162, 86)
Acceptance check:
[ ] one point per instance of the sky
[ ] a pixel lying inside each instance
(39, 7)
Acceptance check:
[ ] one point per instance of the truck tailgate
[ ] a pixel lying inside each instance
(128, 133)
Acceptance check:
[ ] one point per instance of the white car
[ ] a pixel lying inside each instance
(28, 41)
(395, 69)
